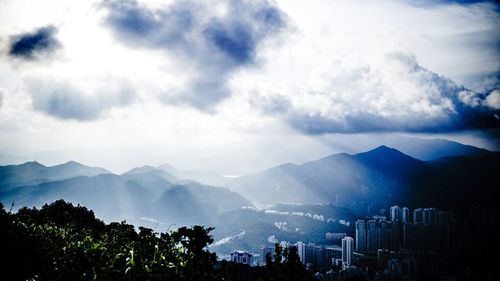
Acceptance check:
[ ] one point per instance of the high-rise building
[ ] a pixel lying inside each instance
(301, 248)
(347, 248)
(309, 254)
(405, 215)
(372, 242)
(360, 236)
(418, 215)
(383, 234)
(430, 216)
(395, 212)
(396, 235)
(406, 235)
(319, 258)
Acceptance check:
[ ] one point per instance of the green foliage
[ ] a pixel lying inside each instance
(65, 242)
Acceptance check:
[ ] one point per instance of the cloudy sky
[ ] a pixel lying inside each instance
(235, 86)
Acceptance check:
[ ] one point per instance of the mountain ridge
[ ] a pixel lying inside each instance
(34, 172)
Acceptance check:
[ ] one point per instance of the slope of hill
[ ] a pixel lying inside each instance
(197, 202)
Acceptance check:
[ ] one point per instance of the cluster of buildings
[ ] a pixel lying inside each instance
(406, 244)
(318, 258)
(430, 230)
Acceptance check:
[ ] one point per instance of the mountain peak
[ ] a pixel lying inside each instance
(32, 164)
(384, 150)
(385, 154)
(71, 163)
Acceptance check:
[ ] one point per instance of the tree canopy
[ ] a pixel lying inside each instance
(61, 241)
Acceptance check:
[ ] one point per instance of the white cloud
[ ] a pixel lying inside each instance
(493, 99)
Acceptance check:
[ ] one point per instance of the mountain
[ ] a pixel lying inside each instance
(430, 149)
(376, 178)
(210, 178)
(197, 202)
(31, 173)
(109, 195)
(338, 177)
(155, 180)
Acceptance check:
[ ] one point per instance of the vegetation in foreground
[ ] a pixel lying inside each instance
(65, 242)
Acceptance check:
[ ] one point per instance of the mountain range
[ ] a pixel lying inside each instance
(141, 192)
(362, 182)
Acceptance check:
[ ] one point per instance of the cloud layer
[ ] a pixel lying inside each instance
(394, 93)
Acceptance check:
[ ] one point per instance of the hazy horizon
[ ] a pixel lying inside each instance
(91, 157)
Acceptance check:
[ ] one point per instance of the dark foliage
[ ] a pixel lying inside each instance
(65, 242)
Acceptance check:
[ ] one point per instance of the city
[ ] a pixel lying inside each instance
(404, 246)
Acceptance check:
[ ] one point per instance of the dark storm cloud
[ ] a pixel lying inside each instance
(210, 45)
(31, 45)
(63, 101)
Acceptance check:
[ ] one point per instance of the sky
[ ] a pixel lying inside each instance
(237, 86)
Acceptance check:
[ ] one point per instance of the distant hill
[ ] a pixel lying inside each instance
(31, 173)
(141, 192)
(376, 178)
(109, 195)
(155, 180)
